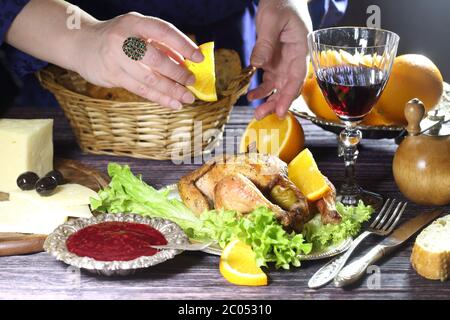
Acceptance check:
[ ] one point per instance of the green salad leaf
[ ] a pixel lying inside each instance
(324, 235)
(260, 230)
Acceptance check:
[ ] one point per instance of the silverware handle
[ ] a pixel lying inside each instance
(332, 268)
(355, 270)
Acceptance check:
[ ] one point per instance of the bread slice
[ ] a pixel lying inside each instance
(431, 252)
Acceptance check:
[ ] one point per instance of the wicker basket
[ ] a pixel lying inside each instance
(142, 129)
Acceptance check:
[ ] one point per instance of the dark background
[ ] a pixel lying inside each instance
(423, 26)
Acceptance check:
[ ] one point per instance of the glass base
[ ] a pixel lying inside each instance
(369, 198)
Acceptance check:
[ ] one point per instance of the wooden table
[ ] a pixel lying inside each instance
(196, 275)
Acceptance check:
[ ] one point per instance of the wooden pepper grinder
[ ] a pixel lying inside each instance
(414, 112)
(421, 163)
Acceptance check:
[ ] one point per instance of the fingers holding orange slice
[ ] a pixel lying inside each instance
(204, 87)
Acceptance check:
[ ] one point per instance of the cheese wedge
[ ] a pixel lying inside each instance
(27, 218)
(25, 145)
(74, 211)
(66, 195)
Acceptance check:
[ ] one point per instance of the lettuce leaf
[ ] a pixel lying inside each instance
(322, 236)
(260, 230)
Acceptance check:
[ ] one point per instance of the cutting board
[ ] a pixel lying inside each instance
(73, 172)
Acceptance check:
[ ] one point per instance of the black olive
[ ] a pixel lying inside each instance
(45, 186)
(57, 175)
(27, 180)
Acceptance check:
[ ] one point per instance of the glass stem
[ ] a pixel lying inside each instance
(349, 139)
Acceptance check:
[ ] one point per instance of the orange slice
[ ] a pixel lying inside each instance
(305, 174)
(280, 137)
(329, 58)
(348, 58)
(238, 266)
(204, 87)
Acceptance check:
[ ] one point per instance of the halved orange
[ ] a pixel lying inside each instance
(238, 265)
(412, 76)
(204, 87)
(305, 174)
(314, 99)
(375, 118)
(280, 137)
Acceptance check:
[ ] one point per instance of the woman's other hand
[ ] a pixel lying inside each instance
(160, 76)
(281, 51)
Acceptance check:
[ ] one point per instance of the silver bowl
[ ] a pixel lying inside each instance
(55, 244)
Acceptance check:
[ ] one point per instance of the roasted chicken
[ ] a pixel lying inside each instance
(245, 182)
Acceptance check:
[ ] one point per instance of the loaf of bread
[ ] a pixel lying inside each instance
(431, 252)
(228, 66)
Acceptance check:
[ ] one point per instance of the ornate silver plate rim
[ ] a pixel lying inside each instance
(55, 244)
(216, 250)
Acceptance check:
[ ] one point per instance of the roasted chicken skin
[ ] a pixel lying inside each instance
(237, 192)
(327, 206)
(245, 182)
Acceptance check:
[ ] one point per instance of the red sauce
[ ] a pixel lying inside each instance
(115, 241)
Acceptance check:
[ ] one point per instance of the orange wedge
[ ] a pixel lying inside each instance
(280, 137)
(204, 87)
(305, 174)
(238, 266)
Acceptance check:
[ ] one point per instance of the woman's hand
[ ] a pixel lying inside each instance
(95, 49)
(160, 76)
(281, 51)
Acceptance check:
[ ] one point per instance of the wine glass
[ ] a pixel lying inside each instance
(352, 66)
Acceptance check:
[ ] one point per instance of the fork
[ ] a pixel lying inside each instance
(382, 225)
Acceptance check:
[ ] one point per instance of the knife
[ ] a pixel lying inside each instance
(356, 269)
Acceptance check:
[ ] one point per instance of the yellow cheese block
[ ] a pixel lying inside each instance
(25, 145)
(27, 218)
(73, 211)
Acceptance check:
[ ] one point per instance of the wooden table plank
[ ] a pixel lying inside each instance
(195, 275)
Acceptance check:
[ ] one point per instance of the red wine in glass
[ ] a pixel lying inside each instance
(351, 91)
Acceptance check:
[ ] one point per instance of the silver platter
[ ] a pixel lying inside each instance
(55, 244)
(216, 250)
(300, 109)
(330, 252)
